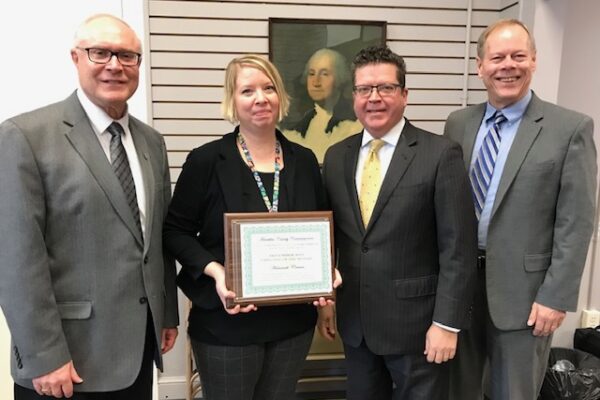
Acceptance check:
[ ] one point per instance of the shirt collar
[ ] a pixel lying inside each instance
(513, 112)
(99, 119)
(391, 137)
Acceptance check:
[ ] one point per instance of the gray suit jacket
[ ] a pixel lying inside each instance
(543, 214)
(75, 276)
(414, 262)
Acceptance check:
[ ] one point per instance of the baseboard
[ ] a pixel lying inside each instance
(172, 388)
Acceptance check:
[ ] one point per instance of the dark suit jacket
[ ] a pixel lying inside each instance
(543, 214)
(75, 275)
(211, 183)
(415, 261)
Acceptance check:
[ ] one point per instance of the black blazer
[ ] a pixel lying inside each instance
(210, 184)
(415, 261)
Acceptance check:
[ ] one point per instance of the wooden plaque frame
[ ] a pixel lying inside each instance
(238, 269)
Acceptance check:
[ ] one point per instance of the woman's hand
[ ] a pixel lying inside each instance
(326, 322)
(217, 272)
(322, 302)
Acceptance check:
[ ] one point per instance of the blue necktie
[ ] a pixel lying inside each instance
(120, 164)
(483, 169)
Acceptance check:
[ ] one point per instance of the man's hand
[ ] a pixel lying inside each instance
(322, 302)
(440, 344)
(326, 322)
(57, 383)
(168, 339)
(545, 320)
(217, 272)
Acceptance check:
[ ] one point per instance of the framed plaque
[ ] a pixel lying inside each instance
(279, 258)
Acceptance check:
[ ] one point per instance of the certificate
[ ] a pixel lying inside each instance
(279, 258)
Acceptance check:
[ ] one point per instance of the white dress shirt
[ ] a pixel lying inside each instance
(385, 152)
(100, 122)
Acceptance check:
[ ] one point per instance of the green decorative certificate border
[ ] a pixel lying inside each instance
(322, 228)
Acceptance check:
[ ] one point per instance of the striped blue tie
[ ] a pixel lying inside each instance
(483, 169)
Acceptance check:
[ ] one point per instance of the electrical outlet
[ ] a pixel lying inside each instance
(590, 318)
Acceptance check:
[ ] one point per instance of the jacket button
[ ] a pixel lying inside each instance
(143, 300)
(146, 260)
(365, 249)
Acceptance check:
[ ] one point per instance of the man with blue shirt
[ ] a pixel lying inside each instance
(532, 167)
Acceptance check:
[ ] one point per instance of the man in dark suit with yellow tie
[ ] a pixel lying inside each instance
(405, 236)
(532, 166)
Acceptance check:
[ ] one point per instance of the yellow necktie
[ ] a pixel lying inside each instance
(370, 181)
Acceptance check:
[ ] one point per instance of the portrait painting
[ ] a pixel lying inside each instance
(314, 58)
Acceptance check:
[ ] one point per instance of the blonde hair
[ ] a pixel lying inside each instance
(263, 65)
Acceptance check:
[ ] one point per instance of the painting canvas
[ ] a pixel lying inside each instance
(314, 57)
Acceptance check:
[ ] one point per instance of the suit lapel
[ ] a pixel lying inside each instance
(472, 125)
(228, 173)
(403, 156)
(350, 161)
(290, 170)
(528, 131)
(84, 140)
(141, 148)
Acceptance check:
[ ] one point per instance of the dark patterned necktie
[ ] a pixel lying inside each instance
(483, 169)
(120, 165)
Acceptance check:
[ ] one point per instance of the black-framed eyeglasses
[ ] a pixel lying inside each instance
(384, 89)
(103, 56)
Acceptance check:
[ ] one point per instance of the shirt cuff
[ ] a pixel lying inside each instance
(448, 328)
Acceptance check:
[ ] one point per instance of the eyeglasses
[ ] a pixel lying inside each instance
(384, 89)
(103, 56)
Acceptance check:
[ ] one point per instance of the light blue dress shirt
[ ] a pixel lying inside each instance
(514, 115)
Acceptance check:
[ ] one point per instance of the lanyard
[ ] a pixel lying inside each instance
(259, 183)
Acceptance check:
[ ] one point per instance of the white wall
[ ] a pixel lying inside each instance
(6, 383)
(36, 69)
(549, 26)
(567, 74)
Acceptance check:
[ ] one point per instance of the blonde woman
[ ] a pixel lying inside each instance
(242, 353)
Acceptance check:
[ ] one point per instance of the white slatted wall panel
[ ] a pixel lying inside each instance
(191, 42)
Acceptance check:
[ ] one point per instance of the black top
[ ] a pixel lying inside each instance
(215, 180)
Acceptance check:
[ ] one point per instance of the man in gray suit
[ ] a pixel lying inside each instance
(88, 297)
(405, 235)
(533, 173)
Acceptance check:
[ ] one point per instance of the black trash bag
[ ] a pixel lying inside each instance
(571, 375)
(588, 340)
